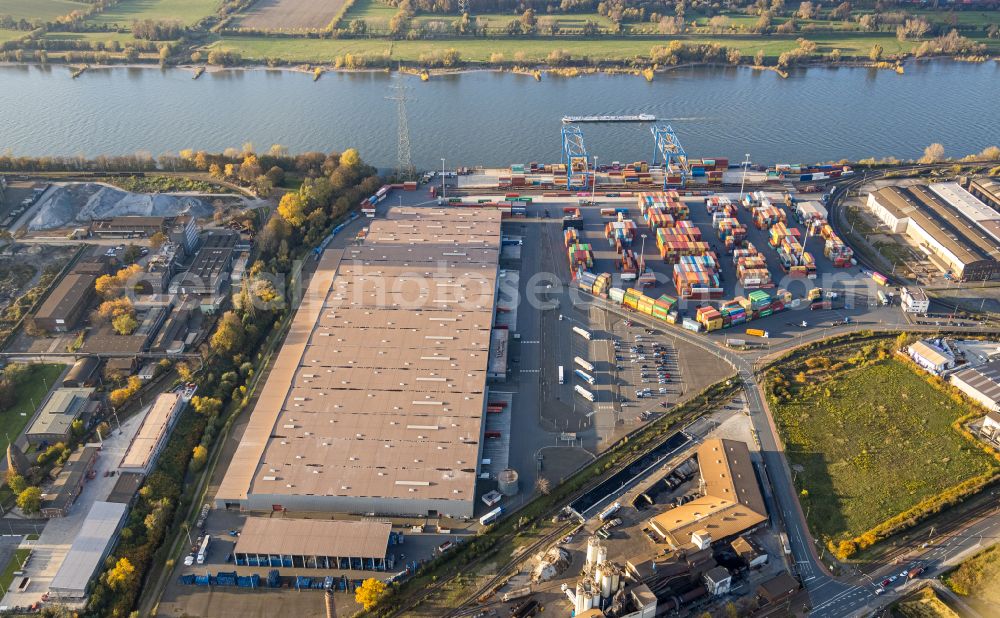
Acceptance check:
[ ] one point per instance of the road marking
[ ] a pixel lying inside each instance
(530, 370)
(524, 342)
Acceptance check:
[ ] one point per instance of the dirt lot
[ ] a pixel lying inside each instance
(286, 15)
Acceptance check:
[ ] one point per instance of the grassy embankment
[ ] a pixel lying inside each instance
(923, 604)
(478, 50)
(869, 439)
(977, 581)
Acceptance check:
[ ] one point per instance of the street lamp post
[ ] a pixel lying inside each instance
(442, 178)
(746, 165)
(593, 182)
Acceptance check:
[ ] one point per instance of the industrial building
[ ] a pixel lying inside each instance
(66, 304)
(59, 410)
(981, 383)
(152, 435)
(87, 553)
(914, 300)
(61, 495)
(210, 268)
(376, 400)
(945, 232)
(970, 207)
(83, 373)
(314, 544)
(731, 504)
(987, 190)
(931, 357)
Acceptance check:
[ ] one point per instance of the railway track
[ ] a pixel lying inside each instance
(505, 572)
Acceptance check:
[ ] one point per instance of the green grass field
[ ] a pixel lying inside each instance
(871, 442)
(20, 555)
(188, 12)
(479, 50)
(11, 35)
(29, 396)
(977, 579)
(44, 10)
(124, 38)
(377, 15)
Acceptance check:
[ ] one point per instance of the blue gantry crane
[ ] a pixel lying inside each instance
(669, 149)
(574, 155)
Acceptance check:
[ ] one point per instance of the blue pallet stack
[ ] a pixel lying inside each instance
(226, 578)
(188, 579)
(273, 579)
(248, 581)
(302, 582)
(203, 580)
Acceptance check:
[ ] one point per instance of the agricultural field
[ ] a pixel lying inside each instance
(40, 10)
(868, 440)
(188, 12)
(291, 15)
(527, 50)
(977, 580)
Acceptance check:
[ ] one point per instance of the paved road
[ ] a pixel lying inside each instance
(830, 596)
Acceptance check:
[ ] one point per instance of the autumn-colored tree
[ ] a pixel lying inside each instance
(206, 406)
(113, 286)
(30, 500)
(369, 592)
(229, 171)
(350, 158)
(16, 482)
(199, 457)
(292, 209)
(215, 171)
(119, 396)
(876, 52)
(124, 324)
(122, 575)
(157, 240)
(933, 153)
(228, 336)
(111, 309)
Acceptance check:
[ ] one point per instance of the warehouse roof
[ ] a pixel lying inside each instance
(905, 204)
(970, 207)
(74, 289)
(90, 547)
(58, 412)
(379, 388)
(153, 430)
(931, 353)
(731, 503)
(950, 218)
(314, 537)
(213, 257)
(984, 378)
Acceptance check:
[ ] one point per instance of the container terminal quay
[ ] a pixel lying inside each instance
(480, 334)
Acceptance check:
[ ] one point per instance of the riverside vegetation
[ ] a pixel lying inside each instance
(876, 446)
(493, 33)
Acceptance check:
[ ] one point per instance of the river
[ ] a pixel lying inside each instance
(489, 118)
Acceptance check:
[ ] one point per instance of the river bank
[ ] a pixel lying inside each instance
(77, 69)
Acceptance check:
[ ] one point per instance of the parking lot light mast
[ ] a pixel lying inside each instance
(746, 165)
(442, 178)
(593, 182)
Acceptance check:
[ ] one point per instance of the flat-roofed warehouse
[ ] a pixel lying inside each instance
(731, 504)
(313, 544)
(940, 229)
(376, 400)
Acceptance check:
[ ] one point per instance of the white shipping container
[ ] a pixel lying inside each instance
(691, 325)
(616, 294)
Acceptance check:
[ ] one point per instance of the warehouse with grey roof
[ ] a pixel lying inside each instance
(376, 400)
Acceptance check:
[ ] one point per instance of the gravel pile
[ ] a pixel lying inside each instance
(80, 203)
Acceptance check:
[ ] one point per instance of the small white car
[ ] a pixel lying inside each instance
(189, 560)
